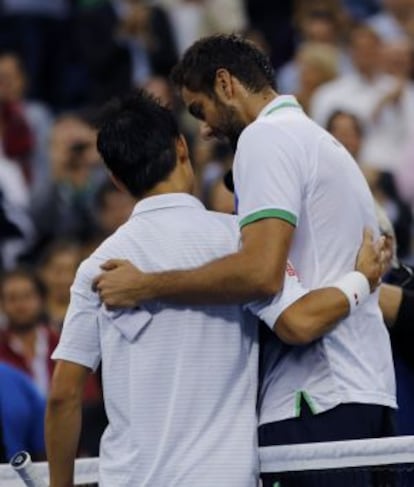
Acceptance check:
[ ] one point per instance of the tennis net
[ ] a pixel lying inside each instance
(383, 462)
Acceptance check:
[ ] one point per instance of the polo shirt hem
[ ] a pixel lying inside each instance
(74, 356)
(284, 215)
(276, 414)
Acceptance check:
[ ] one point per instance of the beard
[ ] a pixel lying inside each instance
(231, 126)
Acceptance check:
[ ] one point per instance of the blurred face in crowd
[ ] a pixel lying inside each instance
(73, 152)
(344, 128)
(12, 79)
(366, 51)
(398, 59)
(59, 272)
(21, 303)
(115, 211)
(318, 64)
(319, 29)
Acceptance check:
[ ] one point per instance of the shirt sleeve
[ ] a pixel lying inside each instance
(270, 309)
(268, 175)
(79, 341)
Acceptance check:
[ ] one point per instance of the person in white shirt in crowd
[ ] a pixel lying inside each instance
(291, 180)
(193, 19)
(13, 87)
(394, 21)
(184, 413)
(320, 26)
(383, 102)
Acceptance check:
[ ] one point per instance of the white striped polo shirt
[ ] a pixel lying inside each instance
(180, 383)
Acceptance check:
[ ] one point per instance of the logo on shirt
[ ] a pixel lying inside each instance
(290, 270)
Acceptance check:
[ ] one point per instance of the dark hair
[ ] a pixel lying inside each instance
(197, 69)
(23, 273)
(58, 247)
(340, 113)
(137, 141)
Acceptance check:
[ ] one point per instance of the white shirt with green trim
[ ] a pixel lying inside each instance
(288, 167)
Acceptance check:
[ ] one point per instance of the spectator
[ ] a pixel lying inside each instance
(315, 25)
(113, 208)
(274, 20)
(57, 271)
(26, 342)
(16, 229)
(125, 43)
(192, 19)
(349, 131)
(393, 22)
(22, 410)
(381, 101)
(39, 30)
(62, 206)
(32, 120)
(317, 64)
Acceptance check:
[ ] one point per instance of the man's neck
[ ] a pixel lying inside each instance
(256, 102)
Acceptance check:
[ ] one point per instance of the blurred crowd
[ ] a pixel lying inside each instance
(350, 63)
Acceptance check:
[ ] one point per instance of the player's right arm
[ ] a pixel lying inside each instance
(64, 420)
(77, 354)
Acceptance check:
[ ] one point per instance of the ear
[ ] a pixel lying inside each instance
(223, 85)
(181, 148)
(118, 183)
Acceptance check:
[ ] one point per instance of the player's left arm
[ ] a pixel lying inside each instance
(64, 420)
(299, 317)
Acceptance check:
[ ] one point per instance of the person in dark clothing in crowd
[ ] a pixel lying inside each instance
(125, 43)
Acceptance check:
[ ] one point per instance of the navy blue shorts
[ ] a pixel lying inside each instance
(344, 422)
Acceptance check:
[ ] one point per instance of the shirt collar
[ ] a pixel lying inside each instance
(170, 200)
(278, 103)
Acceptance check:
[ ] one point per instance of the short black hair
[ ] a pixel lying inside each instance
(342, 113)
(197, 69)
(137, 139)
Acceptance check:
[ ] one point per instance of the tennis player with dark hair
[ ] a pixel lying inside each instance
(180, 383)
(301, 196)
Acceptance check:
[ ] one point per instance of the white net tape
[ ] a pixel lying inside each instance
(292, 458)
(338, 454)
(86, 472)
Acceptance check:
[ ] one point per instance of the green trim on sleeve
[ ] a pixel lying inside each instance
(263, 214)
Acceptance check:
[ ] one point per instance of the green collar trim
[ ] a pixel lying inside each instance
(286, 104)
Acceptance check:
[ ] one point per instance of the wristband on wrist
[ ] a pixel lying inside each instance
(356, 288)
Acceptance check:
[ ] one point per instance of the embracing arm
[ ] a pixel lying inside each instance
(318, 312)
(256, 271)
(312, 316)
(63, 421)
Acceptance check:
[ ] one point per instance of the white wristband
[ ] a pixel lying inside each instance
(356, 288)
